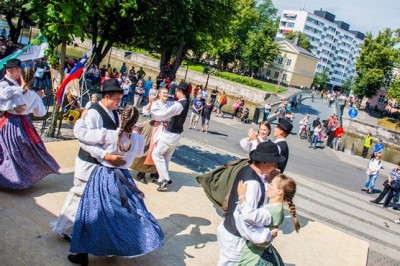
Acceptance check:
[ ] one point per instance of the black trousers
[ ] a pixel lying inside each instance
(365, 152)
(390, 193)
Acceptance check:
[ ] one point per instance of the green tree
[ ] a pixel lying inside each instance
(347, 86)
(321, 80)
(374, 67)
(12, 9)
(301, 38)
(59, 22)
(171, 28)
(394, 91)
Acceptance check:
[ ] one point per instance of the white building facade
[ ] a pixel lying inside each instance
(336, 46)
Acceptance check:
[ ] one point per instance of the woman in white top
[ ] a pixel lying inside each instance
(151, 131)
(375, 164)
(254, 138)
(24, 159)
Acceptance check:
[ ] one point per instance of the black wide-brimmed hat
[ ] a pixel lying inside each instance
(13, 63)
(267, 152)
(183, 86)
(111, 85)
(285, 126)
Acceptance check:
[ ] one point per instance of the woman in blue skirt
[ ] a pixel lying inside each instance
(24, 159)
(112, 219)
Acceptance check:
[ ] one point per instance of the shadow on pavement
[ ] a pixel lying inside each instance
(199, 160)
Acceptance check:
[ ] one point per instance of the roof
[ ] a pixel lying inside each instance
(299, 49)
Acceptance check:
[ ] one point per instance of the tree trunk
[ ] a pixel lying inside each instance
(165, 57)
(56, 109)
(178, 60)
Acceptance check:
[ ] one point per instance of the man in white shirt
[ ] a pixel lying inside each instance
(169, 138)
(102, 114)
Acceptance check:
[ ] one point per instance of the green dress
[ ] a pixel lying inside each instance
(265, 255)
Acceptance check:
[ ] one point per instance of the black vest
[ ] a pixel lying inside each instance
(176, 123)
(108, 123)
(245, 174)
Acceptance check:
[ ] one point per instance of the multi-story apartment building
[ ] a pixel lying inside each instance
(336, 46)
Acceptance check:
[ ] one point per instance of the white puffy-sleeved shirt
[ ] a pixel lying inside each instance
(107, 140)
(10, 95)
(164, 112)
(34, 104)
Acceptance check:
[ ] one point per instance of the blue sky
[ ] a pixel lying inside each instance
(362, 15)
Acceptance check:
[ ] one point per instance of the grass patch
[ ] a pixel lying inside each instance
(389, 123)
(243, 80)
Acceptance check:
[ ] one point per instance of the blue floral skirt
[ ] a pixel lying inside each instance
(112, 219)
(24, 159)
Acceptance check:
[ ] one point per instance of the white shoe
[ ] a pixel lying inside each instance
(397, 221)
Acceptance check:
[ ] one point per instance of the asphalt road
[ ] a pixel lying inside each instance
(320, 164)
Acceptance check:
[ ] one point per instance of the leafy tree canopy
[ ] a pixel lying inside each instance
(374, 67)
(321, 80)
(302, 40)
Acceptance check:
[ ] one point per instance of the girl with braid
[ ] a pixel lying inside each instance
(24, 159)
(258, 249)
(112, 219)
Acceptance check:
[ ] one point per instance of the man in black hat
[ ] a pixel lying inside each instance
(169, 138)
(281, 132)
(13, 73)
(102, 114)
(256, 175)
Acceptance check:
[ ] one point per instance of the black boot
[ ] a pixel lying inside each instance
(80, 258)
(141, 177)
(154, 175)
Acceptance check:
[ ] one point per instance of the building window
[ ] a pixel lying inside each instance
(276, 75)
(268, 72)
(289, 62)
(290, 24)
(284, 77)
(280, 60)
(381, 99)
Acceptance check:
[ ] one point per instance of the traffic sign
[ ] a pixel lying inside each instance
(353, 113)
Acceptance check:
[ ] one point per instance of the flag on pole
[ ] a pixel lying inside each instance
(75, 73)
(32, 51)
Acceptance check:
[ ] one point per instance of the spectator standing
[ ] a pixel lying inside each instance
(339, 131)
(139, 92)
(123, 69)
(147, 86)
(367, 144)
(214, 94)
(221, 102)
(378, 147)
(197, 107)
(267, 110)
(125, 86)
(140, 73)
(208, 108)
(375, 164)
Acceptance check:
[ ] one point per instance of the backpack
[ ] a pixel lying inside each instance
(217, 183)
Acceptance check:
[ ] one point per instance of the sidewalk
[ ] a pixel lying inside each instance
(186, 215)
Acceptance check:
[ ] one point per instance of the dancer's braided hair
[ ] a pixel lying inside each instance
(27, 76)
(288, 185)
(129, 117)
